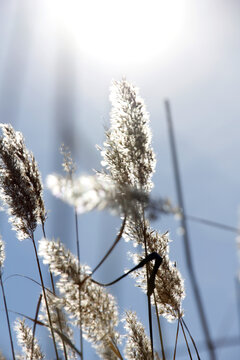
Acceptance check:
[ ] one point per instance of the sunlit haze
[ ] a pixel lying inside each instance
(120, 32)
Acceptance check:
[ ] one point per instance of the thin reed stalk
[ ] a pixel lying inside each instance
(45, 297)
(193, 342)
(175, 347)
(187, 247)
(79, 287)
(8, 321)
(184, 334)
(118, 238)
(35, 324)
(148, 294)
(54, 292)
(159, 327)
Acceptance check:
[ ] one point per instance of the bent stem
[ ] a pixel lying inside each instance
(45, 296)
(118, 238)
(6, 311)
(150, 257)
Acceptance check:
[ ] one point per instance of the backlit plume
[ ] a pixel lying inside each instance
(127, 152)
(138, 344)
(99, 315)
(25, 340)
(128, 160)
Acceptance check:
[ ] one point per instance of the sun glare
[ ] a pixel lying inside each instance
(121, 32)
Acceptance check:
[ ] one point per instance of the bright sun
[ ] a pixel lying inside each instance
(121, 31)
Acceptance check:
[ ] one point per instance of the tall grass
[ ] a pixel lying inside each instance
(76, 300)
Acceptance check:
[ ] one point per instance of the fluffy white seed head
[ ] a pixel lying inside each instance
(86, 193)
(127, 154)
(128, 159)
(59, 321)
(138, 345)
(25, 338)
(20, 183)
(99, 315)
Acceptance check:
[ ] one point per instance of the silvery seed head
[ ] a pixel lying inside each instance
(25, 339)
(20, 183)
(98, 315)
(127, 153)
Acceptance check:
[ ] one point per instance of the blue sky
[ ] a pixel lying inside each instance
(54, 87)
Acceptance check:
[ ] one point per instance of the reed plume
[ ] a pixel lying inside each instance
(25, 340)
(127, 153)
(138, 345)
(20, 183)
(59, 321)
(99, 315)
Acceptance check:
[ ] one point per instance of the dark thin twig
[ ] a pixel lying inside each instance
(153, 205)
(189, 351)
(213, 223)
(175, 347)
(187, 248)
(35, 323)
(153, 256)
(6, 311)
(28, 278)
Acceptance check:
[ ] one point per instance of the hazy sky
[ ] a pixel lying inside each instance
(57, 60)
